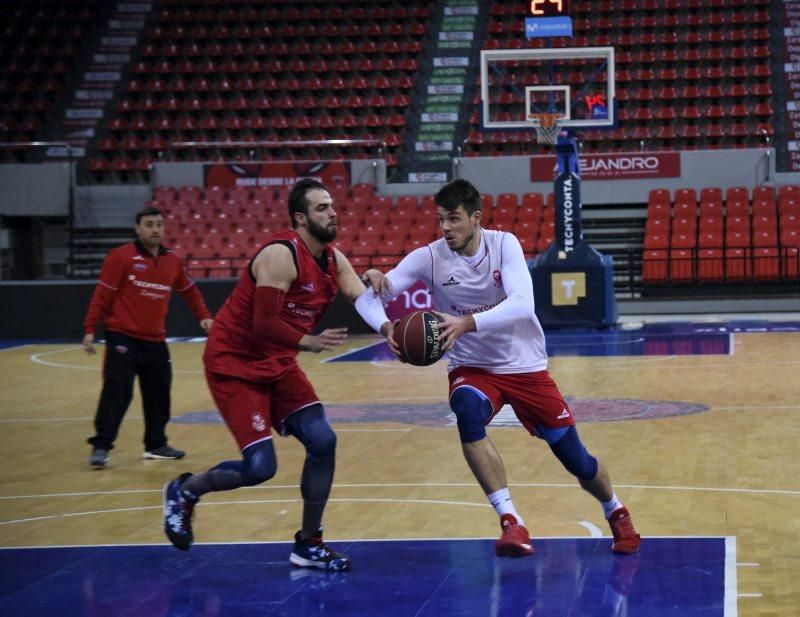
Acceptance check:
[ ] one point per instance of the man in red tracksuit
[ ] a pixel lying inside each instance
(132, 298)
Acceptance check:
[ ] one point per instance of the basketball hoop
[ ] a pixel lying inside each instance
(547, 127)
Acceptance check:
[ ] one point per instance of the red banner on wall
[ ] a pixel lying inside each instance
(614, 166)
(231, 175)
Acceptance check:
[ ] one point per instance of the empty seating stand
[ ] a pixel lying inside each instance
(218, 230)
(41, 44)
(268, 72)
(739, 236)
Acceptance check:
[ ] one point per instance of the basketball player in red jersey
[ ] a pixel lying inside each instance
(252, 371)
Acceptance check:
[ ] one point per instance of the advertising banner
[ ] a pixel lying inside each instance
(613, 166)
(232, 175)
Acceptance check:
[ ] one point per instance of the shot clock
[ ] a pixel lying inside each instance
(547, 18)
(548, 8)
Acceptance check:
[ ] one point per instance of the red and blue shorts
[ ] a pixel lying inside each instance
(534, 397)
(252, 408)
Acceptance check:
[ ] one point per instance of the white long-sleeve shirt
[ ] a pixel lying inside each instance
(495, 287)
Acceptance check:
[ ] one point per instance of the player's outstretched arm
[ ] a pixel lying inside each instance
(368, 305)
(349, 283)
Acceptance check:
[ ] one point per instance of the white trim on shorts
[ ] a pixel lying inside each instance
(282, 428)
(252, 443)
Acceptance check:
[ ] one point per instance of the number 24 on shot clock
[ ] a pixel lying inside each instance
(548, 8)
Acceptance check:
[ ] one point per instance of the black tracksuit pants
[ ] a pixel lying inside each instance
(125, 358)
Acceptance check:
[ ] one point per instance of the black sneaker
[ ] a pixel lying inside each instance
(178, 512)
(98, 457)
(164, 452)
(314, 553)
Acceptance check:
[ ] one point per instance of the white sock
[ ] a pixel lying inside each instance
(502, 504)
(611, 505)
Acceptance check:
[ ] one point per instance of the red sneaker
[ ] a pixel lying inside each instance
(515, 540)
(626, 540)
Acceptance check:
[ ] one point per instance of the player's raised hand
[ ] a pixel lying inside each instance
(452, 327)
(327, 339)
(378, 281)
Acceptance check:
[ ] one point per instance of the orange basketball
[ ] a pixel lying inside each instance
(417, 339)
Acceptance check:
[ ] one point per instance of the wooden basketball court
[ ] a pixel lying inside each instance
(705, 445)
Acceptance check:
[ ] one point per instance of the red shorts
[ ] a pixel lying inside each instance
(533, 396)
(252, 408)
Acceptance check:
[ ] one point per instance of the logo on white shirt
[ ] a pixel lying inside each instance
(451, 282)
(498, 280)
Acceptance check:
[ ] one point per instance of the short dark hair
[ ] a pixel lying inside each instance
(457, 193)
(148, 211)
(297, 198)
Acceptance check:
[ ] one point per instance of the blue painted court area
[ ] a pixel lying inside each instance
(671, 576)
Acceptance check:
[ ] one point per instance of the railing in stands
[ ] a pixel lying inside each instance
(761, 265)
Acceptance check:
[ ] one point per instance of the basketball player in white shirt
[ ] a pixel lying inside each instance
(479, 280)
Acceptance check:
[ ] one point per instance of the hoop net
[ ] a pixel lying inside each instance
(547, 128)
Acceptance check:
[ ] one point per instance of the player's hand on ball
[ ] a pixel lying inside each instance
(452, 327)
(388, 331)
(327, 339)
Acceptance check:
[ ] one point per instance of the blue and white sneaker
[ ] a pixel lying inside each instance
(314, 553)
(98, 458)
(178, 512)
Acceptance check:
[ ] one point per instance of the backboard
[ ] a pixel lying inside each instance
(575, 82)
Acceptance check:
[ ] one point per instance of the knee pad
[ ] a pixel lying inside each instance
(572, 453)
(259, 463)
(312, 429)
(472, 410)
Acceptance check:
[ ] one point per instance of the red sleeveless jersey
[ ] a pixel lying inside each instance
(234, 349)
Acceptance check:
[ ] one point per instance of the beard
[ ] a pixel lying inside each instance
(323, 234)
(468, 239)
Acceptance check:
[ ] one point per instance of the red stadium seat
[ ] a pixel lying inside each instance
(710, 266)
(737, 209)
(681, 265)
(656, 242)
(654, 266)
(790, 262)
(737, 264)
